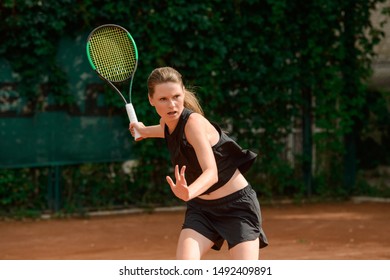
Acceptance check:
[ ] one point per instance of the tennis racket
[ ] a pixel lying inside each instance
(113, 54)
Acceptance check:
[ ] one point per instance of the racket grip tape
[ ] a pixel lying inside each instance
(133, 118)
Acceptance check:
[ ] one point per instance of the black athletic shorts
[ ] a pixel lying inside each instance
(235, 218)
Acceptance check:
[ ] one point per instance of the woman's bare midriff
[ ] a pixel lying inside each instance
(236, 183)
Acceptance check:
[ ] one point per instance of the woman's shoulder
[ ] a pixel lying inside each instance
(162, 123)
(196, 119)
(199, 127)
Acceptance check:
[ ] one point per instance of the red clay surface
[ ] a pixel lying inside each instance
(326, 231)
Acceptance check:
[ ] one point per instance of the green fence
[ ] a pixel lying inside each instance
(43, 133)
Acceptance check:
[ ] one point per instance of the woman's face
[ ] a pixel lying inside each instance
(168, 99)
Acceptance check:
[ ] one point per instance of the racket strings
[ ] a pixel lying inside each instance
(113, 53)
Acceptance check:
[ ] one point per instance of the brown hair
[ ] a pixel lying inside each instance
(168, 74)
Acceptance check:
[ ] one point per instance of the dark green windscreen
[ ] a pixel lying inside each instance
(56, 138)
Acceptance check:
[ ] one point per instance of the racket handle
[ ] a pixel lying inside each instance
(133, 118)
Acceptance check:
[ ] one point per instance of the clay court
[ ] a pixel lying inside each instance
(336, 231)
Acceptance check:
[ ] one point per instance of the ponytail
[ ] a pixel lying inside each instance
(191, 102)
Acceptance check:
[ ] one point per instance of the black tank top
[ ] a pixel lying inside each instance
(228, 154)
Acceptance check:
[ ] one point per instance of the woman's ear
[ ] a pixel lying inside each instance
(150, 100)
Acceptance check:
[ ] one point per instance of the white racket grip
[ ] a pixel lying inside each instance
(133, 118)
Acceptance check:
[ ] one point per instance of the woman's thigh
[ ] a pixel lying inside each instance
(248, 250)
(192, 245)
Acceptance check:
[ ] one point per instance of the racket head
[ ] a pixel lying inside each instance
(112, 52)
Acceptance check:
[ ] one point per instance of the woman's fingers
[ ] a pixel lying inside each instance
(182, 171)
(179, 188)
(170, 181)
(177, 174)
(131, 129)
(180, 175)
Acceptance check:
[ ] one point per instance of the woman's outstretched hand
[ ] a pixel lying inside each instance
(180, 188)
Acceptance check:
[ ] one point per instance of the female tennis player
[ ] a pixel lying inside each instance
(209, 167)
